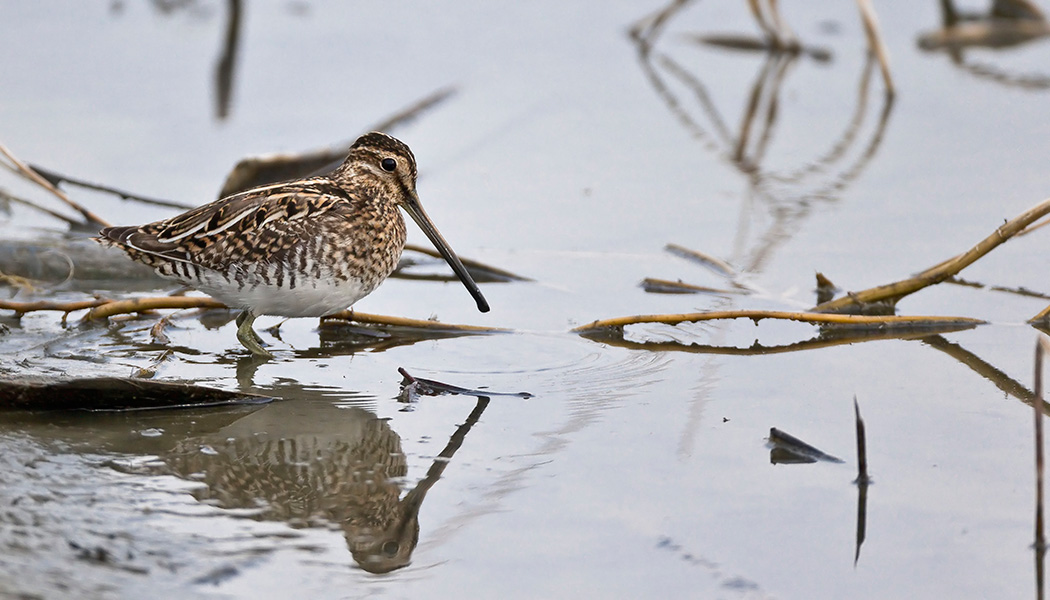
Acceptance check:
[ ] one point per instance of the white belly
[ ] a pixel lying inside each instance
(311, 297)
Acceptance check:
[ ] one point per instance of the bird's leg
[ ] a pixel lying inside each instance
(247, 336)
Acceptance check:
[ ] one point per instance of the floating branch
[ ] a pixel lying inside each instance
(732, 41)
(711, 262)
(1020, 291)
(22, 308)
(138, 305)
(893, 292)
(879, 322)
(664, 286)
(371, 319)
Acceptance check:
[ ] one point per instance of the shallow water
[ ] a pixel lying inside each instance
(569, 154)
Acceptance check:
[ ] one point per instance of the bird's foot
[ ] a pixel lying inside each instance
(247, 336)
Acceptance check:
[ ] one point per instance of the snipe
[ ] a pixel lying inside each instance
(304, 248)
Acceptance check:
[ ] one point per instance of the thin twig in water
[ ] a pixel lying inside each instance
(711, 262)
(36, 178)
(58, 178)
(665, 286)
(61, 217)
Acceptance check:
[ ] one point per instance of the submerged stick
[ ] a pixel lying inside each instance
(893, 292)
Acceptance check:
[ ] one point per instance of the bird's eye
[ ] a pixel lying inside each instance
(388, 165)
(390, 548)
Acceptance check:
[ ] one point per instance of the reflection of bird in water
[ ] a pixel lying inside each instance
(342, 467)
(350, 480)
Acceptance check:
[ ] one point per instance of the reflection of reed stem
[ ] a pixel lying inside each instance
(863, 480)
(1041, 347)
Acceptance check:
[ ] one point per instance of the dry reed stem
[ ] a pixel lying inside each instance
(881, 321)
(938, 273)
(35, 177)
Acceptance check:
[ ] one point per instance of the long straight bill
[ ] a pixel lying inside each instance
(415, 210)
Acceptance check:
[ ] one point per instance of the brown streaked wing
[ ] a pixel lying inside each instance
(262, 221)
